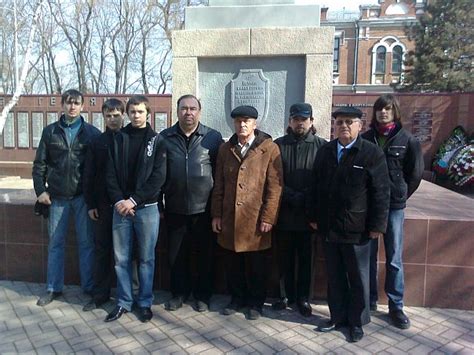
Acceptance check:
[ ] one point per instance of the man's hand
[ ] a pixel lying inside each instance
(44, 198)
(313, 225)
(217, 224)
(375, 235)
(125, 207)
(93, 214)
(265, 227)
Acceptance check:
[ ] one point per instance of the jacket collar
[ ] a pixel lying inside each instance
(260, 137)
(291, 138)
(174, 130)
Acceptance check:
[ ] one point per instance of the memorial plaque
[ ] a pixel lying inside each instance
(423, 125)
(51, 117)
(23, 130)
(9, 132)
(37, 125)
(161, 121)
(85, 115)
(251, 87)
(98, 120)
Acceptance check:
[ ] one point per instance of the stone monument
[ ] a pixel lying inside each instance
(267, 53)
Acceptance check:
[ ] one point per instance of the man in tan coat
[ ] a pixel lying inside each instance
(245, 202)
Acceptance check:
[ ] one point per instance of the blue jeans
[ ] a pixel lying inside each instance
(144, 226)
(393, 242)
(58, 224)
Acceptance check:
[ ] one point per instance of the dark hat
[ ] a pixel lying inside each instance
(301, 109)
(244, 111)
(347, 111)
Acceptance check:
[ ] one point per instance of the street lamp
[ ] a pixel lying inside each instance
(15, 38)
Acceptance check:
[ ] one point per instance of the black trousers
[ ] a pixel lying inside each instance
(247, 277)
(103, 264)
(188, 235)
(348, 282)
(294, 247)
(374, 249)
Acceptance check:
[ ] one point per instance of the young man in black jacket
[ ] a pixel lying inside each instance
(135, 173)
(192, 151)
(294, 235)
(352, 200)
(57, 178)
(98, 202)
(405, 166)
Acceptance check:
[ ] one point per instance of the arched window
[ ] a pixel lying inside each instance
(397, 59)
(380, 60)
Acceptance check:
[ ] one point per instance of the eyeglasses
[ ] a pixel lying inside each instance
(347, 121)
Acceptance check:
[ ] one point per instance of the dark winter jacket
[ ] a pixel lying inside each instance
(94, 179)
(298, 156)
(352, 197)
(59, 165)
(405, 164)
(150, 170)
(190, 169)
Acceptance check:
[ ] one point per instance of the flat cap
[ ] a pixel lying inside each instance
(347, 111)
(301, 109)
(244, 111)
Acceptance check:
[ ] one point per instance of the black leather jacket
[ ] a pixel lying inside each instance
(352, 197)
(58, 165)
(150, 172)
(298, 156)
(405, 164)
(190, 170)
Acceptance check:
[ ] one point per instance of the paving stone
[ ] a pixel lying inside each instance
(287, 352)
(199, 348)
(23, 346)
(420, 349)
(47, 349)
(64, 328)
(62, 347)
(159, 345)
(466, 341)
(406, 344)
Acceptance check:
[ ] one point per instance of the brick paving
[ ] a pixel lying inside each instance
(62, 327)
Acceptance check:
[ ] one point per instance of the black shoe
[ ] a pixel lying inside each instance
(144, 314)
(174, 304)
(94, 305)
(329, 326)
(48, 298)
(373, 307)
(280, 305)
(201, 306)
(254, 313)
(115, 314)
(399, 319)
(231, 308)
(305, 308)
(356, 334)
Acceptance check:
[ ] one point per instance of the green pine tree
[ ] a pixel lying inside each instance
(443, 59)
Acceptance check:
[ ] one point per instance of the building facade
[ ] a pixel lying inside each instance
(370, 46)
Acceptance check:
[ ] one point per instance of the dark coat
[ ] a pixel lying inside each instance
(298, 156)
(59, 165)
(151, 168)
(404, 161)
(94, 179)
(247, 192)
(352, 197)
(190, 170)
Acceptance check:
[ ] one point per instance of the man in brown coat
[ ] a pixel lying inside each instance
(245, 202)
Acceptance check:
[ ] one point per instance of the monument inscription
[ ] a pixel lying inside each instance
(251, 87)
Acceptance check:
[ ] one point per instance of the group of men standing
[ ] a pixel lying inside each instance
(125, 181)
